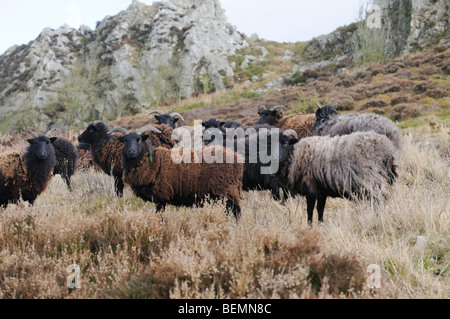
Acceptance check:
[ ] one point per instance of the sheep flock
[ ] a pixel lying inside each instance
(351, 156)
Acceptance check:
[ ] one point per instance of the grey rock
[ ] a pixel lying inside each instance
(137, 57)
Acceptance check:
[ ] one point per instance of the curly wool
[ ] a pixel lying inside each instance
(301, 124)
(350, 123)
(358, 165)
(163, 139)
(108, 156)
(21, 176)
(66, 158)
(159, 179)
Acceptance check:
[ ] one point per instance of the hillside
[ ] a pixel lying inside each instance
(185, 56)
(138, 57)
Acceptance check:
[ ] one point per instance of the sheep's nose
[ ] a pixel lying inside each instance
(42, 154)
(131, 153)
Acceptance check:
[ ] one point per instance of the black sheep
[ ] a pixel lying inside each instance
(248, 142)
(253, 177)
(105, 151)
(66, 159)
(166, 118)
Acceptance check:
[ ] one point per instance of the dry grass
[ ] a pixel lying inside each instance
(125, 251)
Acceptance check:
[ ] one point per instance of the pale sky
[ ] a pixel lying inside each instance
(280, 20)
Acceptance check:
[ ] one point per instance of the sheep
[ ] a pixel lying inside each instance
(214, 123)
(247, 141)
(355, 166)
(27, 174)
(189, 136)
(213, 127)
(301, 124)
(162, 138)
(155, 176)
(253, 177)
(329, 122)
(166, 118)
(66, 159)
(106, 151)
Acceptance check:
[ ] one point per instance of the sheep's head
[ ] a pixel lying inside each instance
(212, 123)
(325, 113)
(167, 119)
(40, 145)
(271, 116)
(287, 139)
(134, 141)
(95, 133)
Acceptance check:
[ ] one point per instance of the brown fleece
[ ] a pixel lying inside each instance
(301, 124)
(161, 140)
(110, 157)
(160, 179)
(15, 177)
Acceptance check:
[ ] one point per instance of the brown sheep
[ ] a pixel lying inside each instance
(159, 175)
(301, 124)
(27, 174)
(163, 139)
(105, 151)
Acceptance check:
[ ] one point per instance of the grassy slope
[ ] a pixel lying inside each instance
(124, 250)
(413, 90)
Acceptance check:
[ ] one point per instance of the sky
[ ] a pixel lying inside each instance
(279, 20)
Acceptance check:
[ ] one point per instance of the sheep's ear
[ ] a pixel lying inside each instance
(52, 139)
(222, 123)
(31, 141)
(293, 141)
(176, 119)
(157, 117)
(145, 137)
(121, 138)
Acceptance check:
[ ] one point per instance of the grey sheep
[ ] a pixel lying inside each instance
(355, 166)
(329, 122)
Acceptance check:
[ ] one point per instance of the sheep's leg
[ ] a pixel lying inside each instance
(235, 208)
(118, 185)
(160, 207)
(321, 207)
(310, 203)
(285, 195)
(69, 184)
(276, 193)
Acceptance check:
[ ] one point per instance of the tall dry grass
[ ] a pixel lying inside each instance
(124, 250)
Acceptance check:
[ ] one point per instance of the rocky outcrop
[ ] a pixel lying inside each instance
(137, 57)
(409, 23)
(405, 24)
